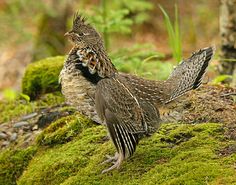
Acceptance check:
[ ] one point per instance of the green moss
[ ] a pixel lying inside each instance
(13, 109)
(42, 77)
(54, 165)
(10, 110)
(50, 99)
(12, 164)
(63, 130)
(177, 154)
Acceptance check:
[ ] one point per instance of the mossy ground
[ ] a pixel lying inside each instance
(13, 163)
(63, 130)
(71, 149)
(177, 154)
(10, 110)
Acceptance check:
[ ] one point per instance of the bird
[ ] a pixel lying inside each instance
(86, 63)
(126, 104)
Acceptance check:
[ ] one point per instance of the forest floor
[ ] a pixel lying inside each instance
(47, 142)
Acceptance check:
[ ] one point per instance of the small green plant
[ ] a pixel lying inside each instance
(173, 34)
(228, 59)
(25, 97)
(137, 8)
(118, 17)
(221, 78)
(9, 94)
(12, 95)
(142, 60)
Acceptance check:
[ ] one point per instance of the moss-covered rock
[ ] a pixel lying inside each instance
(63, 130)
(177, 154)
(13, 163)
(42, 77)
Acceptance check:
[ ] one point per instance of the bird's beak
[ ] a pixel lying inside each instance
(66, 34)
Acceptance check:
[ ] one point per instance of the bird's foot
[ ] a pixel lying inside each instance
(112, 159)
(116, 160)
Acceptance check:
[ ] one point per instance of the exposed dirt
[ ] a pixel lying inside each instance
(209, 103)
(231, 149)
(231, 131)
(212, 104)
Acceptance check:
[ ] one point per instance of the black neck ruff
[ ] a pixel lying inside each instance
(94, 78)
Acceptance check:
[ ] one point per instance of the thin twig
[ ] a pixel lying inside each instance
(228, 94)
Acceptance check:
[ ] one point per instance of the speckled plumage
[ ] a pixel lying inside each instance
(77, 90)
(126, 104)
(86, 63)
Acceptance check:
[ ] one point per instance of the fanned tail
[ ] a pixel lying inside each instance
(188, 74)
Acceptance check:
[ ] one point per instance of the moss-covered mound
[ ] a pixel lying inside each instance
(63, 130)
(42, 77)
(177, 154)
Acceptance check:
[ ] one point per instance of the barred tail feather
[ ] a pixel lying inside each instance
(209, 53)
(189, 73)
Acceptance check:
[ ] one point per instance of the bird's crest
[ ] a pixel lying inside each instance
(79, 19)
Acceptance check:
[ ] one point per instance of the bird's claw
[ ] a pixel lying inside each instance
(111, 159)
(115, 160)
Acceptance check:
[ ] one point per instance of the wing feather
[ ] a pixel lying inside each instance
(121, 113)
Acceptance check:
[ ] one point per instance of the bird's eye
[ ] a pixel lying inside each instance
(81, 34)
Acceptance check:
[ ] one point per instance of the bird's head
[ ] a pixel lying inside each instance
(82, 33)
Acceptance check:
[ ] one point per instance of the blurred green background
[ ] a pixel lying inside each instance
(142, 37)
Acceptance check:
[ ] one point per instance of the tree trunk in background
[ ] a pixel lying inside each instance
(228, 37)
(52, 26)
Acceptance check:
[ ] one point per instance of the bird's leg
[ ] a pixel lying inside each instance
(117, 160)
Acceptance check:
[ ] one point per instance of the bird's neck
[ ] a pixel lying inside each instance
(93, 78)
(104, 68)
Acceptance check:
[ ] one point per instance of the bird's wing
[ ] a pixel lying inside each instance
(122, 113)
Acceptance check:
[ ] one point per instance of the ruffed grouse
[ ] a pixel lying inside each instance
(126, 104)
